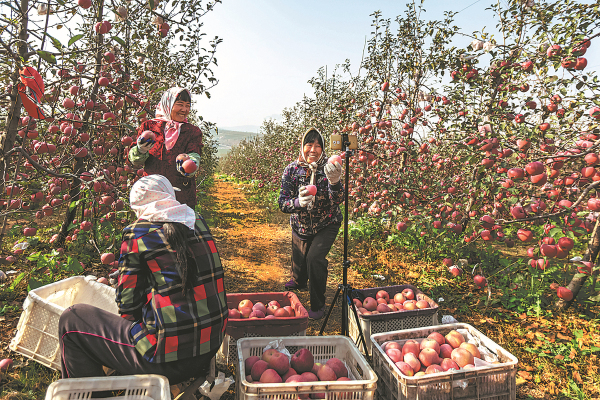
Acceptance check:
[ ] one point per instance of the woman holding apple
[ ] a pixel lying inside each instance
(311, 190)
(170, 146)
(170, 297)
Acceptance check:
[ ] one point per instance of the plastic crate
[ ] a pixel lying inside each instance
(392, 321)
(494, 381)
(323, 348)
(243, 328)
(37, 331)
(138, 387)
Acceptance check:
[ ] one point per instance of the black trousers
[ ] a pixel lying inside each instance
(309, 262)
(91, 338)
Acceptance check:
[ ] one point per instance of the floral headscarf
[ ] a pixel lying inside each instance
(152, 198)
(163, 113)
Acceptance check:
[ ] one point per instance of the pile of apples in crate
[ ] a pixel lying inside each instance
(276, 367)
(383, 303)
(436, 353)
(246, 309)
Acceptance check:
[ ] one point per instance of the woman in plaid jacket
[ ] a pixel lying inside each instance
(170, 295)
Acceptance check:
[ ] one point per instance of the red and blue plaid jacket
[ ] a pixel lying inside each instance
(168, 325)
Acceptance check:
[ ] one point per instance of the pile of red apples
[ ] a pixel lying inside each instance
(248, 310)
(434, 354)
(275, 367)
(383, 303)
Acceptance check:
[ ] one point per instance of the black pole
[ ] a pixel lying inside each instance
(344, 288)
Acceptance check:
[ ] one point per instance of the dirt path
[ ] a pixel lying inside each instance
(254, 241)
(253, 244)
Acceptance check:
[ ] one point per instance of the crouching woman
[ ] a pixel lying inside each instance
(170, 295)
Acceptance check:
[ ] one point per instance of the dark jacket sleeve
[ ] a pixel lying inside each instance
(288, 194)
(336, 193)
(195, 144)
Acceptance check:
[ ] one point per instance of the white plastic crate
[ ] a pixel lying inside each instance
(393, 321)
(362, 387)
(37, 331)
(131, 387)
(228, 354)
(490, 382)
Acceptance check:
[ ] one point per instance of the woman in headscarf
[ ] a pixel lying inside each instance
(174, 136)
(170, 295)
(315, 220)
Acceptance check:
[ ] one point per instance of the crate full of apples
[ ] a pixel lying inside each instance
(391, 308)
(316, 367)
(454, 361)
(261, 314)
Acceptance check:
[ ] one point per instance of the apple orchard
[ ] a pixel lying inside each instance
(464, 151)
(104, 65)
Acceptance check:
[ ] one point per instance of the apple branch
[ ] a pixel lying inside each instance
(559, 213)
(38, 166)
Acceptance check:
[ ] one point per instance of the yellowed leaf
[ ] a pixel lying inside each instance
(577, 377)
(559, 357)
(525, 375)
(529, 368)
(530, 335)
(563, 337)
(520, 381)
(573, 353)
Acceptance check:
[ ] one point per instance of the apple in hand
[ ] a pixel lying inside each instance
(147, 136)
(335, 159)
(312, 189)
(189, 166)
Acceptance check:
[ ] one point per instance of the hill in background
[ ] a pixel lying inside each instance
(229, 138)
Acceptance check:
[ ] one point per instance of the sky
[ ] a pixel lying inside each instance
(271, 48)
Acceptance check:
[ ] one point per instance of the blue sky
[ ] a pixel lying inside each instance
(271, 48)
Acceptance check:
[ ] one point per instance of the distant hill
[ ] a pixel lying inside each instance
(242, 128)
(229, 138)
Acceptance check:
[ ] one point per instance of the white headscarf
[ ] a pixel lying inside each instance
(152, 198)
(163, 113)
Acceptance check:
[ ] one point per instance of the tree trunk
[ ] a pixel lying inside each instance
(577, 282)
(78, 169)
(7, 138)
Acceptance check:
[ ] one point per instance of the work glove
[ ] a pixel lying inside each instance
(306, 200)
(333, 172)
(144, 146)
(179, 167)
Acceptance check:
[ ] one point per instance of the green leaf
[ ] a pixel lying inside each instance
(579, 85)
(34, 256)
(131, 128)
(138, 54)
(555, 231)
(47, 56)
(55, 42)
(34, 284)
(120, 41)
(151, 4)
(74, 204)
(73, 265)
(17, 280)
(75, 38)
